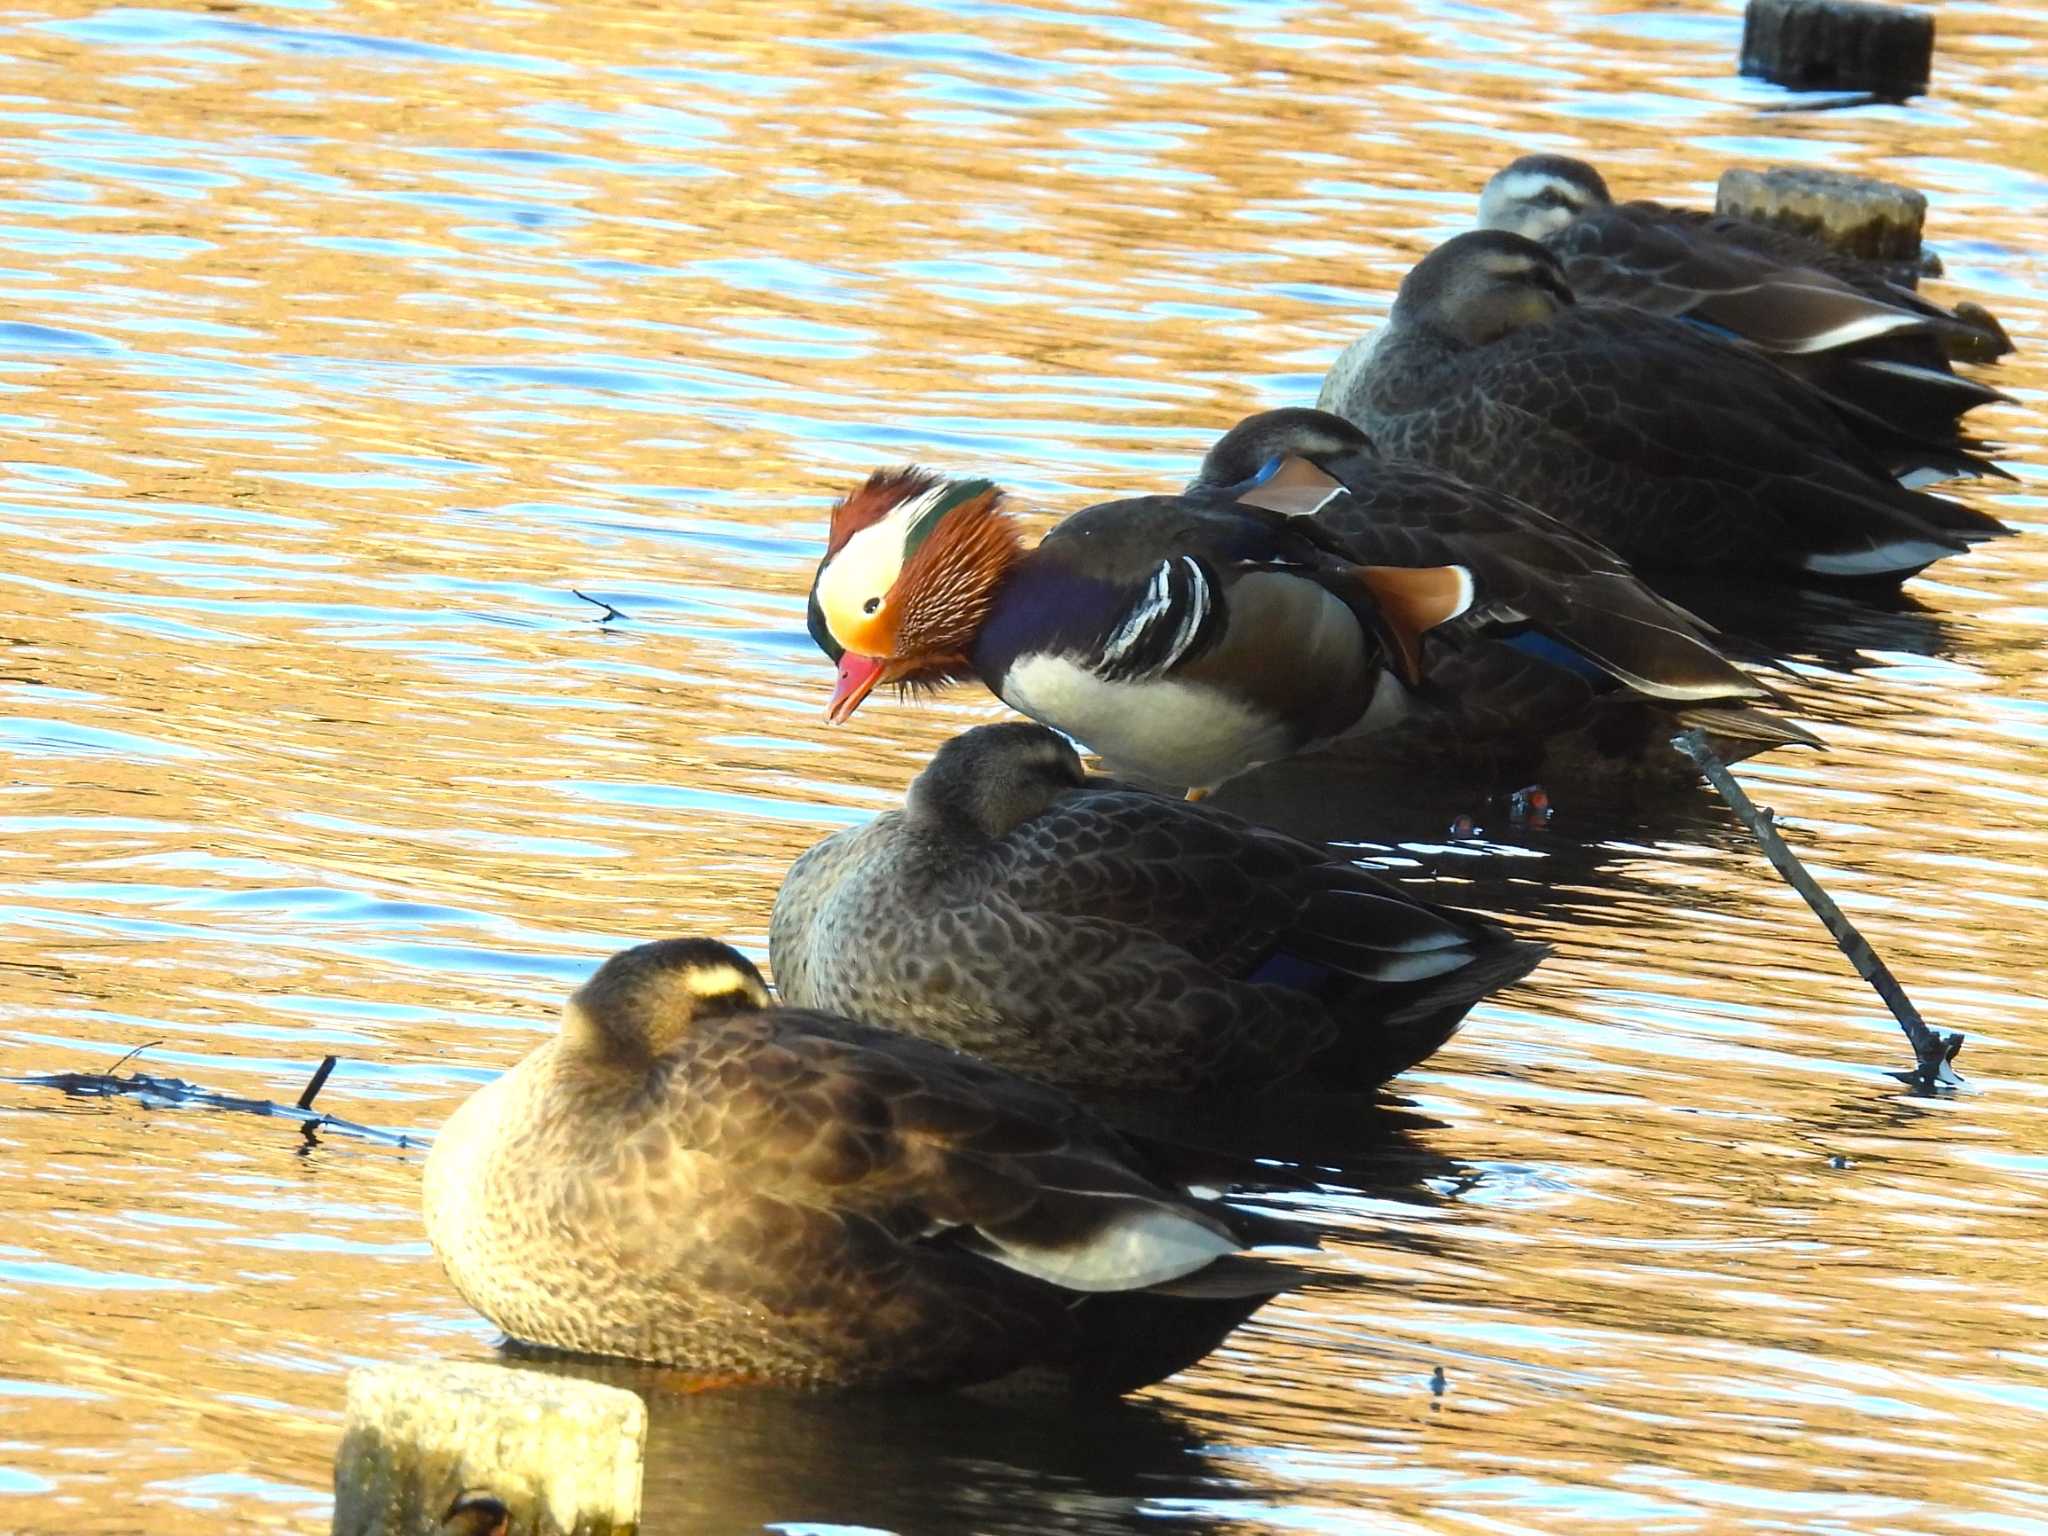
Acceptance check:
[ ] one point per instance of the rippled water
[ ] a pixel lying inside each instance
(342, 344)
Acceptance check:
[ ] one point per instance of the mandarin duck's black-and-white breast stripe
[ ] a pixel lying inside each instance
(1173, 620)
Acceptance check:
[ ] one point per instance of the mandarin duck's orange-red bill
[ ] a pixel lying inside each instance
(857, 678)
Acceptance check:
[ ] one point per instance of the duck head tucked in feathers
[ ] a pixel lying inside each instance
(643, 1002)
(689, 1176)
(994, 777)
(1256, 451)
(1539, 195)
(1297, 445)
(1481, 286)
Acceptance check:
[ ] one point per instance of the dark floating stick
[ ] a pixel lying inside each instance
(176, 1091)
(610, 613)
(1934, 1052)
(320, 1075)
(128, 1056)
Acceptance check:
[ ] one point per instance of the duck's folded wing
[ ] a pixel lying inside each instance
(1204, 881)
(1651, 415)
(930, 1146)
(1246, 904)
(1649, 263)
(1531, 571)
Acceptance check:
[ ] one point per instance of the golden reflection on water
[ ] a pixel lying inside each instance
(341, 342)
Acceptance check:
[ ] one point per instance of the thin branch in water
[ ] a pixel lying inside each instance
(610, 613)
(320, 1075)
(1932, 1051)
(128, 1056)
(173, 1091)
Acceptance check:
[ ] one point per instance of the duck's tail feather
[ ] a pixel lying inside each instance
(1747, 731)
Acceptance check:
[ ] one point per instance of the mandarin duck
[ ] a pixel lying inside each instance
(1300, 593)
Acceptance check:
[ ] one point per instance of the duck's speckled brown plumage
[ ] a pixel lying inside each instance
(1106, 939)
(774, 1195)
(1677, 450)
(1841, 324)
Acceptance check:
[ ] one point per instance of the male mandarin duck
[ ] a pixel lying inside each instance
(1684, 452)
(1841, 324)
(1108, 940)
(689, 1176)
(1299, 593)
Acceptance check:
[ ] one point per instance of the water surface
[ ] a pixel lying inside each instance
(342, 344)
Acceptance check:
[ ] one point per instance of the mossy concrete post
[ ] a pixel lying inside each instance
(562, 1456)
(1856, 215)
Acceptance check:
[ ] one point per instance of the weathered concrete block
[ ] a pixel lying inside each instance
(562, 1455)
(1839, 45)
(1856, 215)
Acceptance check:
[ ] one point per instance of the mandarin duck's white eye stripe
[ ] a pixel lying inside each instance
(910, 512)
(867, 565)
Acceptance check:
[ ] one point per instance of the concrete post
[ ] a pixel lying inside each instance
(562, 1456)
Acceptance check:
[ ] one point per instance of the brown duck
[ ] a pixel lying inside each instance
(1107, 939)
(690, 1176)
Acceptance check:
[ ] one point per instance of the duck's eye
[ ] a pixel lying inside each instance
(871, 605)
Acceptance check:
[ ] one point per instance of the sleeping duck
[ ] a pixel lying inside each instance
(690, 1176)
(1682, 451)
(1840, 324)
(1107, 940)
(1300, 593)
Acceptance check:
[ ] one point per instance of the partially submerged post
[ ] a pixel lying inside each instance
(561, 1455)
(1839, 45)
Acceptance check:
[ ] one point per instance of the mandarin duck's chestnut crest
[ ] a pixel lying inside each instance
(911, 565)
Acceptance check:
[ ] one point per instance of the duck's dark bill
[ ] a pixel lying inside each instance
(857, 678)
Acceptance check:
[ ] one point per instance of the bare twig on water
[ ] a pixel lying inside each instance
(320, 1075)
(610, 613)
(1934, 1052)
(128, 1056)
(175, 1091)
